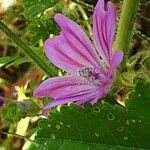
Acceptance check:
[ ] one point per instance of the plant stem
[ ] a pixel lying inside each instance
(84, 5)
(126, 22)
(19, 136)
(39, 60)
(85, 17)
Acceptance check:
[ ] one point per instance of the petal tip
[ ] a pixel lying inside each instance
(120, 52)
(101, 3)
(58, 17)
(46, 44)
(117, 57)
(44, 112)
(35, 93)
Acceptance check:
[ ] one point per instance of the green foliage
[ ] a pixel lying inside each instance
(101, 126)
(13, 12)
(8, 61)
(33, 109)
(138, 67)
(75, 145)
(19, 61)
(13, 111)
(41, 29)
(39, 60)
(34, 7)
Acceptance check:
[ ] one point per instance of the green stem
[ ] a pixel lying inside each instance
(9, 140)
(84, 5)
(85, 17)
(126, 22)
(39, 60)
(19, 136)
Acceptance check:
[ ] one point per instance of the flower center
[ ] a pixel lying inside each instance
(89, 74)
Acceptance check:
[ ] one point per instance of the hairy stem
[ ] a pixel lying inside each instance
(126, 23)
(39, 60)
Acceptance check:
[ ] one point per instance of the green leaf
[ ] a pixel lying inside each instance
(18, 61)
(75, 145)
(39, 60)
(34, 7)
(101, 126)
(33, 109)
(12, 113)
(37, 26)
(6, 60)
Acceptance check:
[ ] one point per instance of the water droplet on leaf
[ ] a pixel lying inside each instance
(110, 116)
(127, 122)
(125, 138)
(133, 120)
(53, 136)
(68, 126)
(96, 134)
(58, 127)
(49, 125)
(61, 123)
(120, 129)
(96, 109)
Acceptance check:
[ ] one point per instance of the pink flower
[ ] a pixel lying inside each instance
(90, 65)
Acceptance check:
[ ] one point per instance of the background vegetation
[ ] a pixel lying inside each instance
(113, 125)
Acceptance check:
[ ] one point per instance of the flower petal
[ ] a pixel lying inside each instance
(117, 58)
(85, 96)
(104, 26)
(115, 61)
(72, 46)
(59, 53)
(62, 86)
(66, 89)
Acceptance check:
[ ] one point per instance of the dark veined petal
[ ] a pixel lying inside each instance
(67, 89)
(90, 94)
(59, 54)
(115, 61)
(104, 26)
(72, 49)
(79, 99)
(61, 86)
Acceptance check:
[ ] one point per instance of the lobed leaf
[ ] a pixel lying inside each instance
(34, 7)
(101, 126)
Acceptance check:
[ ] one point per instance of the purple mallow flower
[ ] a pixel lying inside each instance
(90, 65)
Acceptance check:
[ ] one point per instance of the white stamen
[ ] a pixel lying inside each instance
(89, 74)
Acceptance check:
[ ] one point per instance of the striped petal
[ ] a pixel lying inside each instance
(104, 26)
(72, 49)
(67, 89)
(115, 61)
(79, 99)
(62, 86)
